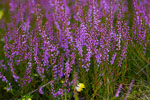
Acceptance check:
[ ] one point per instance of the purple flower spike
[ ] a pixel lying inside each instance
(118, 91)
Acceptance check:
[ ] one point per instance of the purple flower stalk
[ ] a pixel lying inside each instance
(129, 90)
(113, 58)
(118, 90)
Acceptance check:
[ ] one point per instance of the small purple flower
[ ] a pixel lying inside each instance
(59, 92)
(10, 87)
(41, 91)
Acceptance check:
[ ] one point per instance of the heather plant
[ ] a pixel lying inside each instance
(73, 49)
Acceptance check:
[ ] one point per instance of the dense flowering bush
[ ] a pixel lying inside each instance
(52, 45)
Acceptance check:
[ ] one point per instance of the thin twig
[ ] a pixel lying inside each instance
(39, 87)
(142, 69)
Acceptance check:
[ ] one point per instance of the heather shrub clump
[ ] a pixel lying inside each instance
(74, 49)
